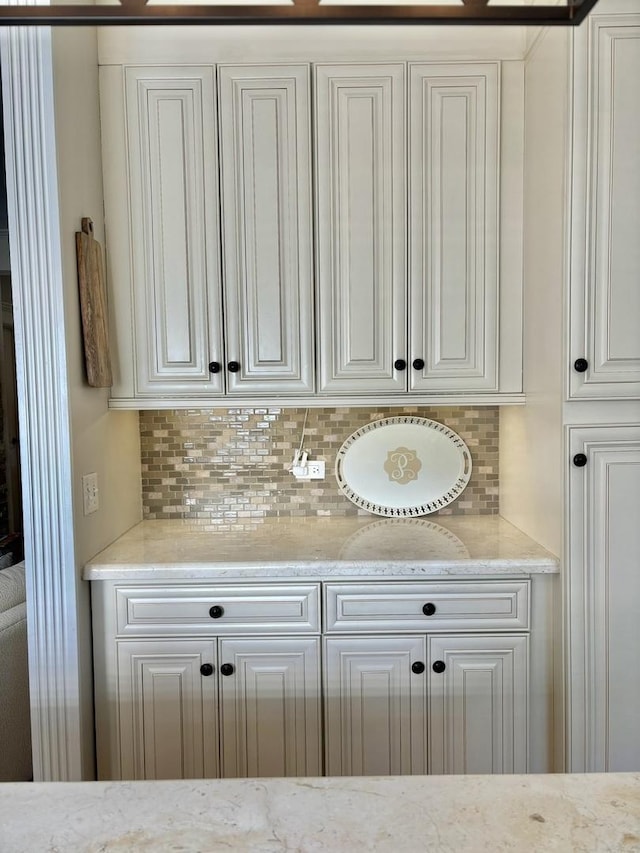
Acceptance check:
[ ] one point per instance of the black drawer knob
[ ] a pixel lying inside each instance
(206, 669)
(233, 366)
(214, 367)
(428, 609)
(439, 666)
(227, 669)
(418, 667)
(216, 611)
(418, 363)
(580, 365)
(580, 460)
(400, 364)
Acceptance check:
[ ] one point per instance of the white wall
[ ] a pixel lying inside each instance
(531, 460)
(101, 441)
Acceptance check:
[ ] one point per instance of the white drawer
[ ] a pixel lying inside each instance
(398, 606)
(172, 611)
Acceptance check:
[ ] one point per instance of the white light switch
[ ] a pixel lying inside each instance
(90, 495)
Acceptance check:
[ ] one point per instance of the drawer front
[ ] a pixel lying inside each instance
(172, 611)
(488, 605)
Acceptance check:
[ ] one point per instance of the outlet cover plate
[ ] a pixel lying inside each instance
(90, 494)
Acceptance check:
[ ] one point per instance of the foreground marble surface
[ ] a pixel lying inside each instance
(572, 813)
(305, 547)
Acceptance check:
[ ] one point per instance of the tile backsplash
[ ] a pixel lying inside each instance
(220, 467)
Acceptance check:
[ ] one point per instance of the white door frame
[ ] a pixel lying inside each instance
(45, 433)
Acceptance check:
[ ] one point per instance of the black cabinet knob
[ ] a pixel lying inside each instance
(206, 669)
(428, 609)
(418, 667)
(214, 367)
(216, 611)
(233, 366)
(227, 669)
(418, 363)
(580, 365)
(439, 666)
(580, 460)
(400, 364)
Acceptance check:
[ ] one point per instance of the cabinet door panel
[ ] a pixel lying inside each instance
(174, 221)
(266, 196)
(478, 704)
(375, 706)
(361, 227)
(453, 181)
(270, 707)
(604, 546)
(167, 710)
(605, 269)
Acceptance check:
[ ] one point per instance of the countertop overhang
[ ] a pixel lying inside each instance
(581, 812)
(323, 548)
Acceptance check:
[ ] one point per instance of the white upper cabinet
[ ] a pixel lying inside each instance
(605, 260)
(453, 192)
(449, 306)
(250, 257)
(175, 292)
(265, 148)
(171, 122)
(361, 226)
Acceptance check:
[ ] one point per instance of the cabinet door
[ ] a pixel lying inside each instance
(453, 187)
(605, 256)
(265, 122)
(604, 548)
(375, 706)
(361, 230)
(478, 700)
(174, 223)
(270, 707)
(167, 709)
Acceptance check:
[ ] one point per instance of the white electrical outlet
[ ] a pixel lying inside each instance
(90, 494)
(315, 469)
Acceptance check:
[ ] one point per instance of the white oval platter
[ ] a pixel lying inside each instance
(403, 466)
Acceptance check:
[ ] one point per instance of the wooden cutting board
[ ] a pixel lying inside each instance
(93, 306)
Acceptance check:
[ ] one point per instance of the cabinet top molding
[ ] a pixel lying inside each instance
(467, 12)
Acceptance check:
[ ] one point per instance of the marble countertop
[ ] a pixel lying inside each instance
(323, 548)
(413, 814)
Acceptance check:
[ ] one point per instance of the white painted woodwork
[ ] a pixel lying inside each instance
(321, 401)
(270, 707)
(265, 153)
(453, 202)
(397, 606)
(167, 709)
(604, 617)
(58, 711)
(361, 226)
(375, 706)
(252, 609)
(478, 707)
(605, 263)
(172, 146)
(150, 45)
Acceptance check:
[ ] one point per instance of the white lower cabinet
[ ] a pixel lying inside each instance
(375, 706)
(604, 586)
(263, 698)
(478, 704)
(412, 705)
(197, 681)
(270, 707)
(167, 709)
